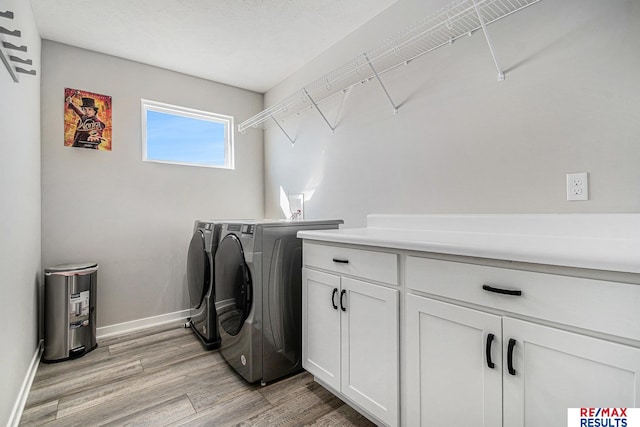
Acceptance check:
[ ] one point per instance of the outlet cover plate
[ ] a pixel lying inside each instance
(578, 186)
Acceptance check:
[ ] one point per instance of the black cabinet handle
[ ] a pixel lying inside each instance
(501, 291)
(512, 344)
(341, 261)
(341, 296)
(333, 298)
(490, 338)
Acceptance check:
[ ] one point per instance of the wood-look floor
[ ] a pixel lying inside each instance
(163, 377)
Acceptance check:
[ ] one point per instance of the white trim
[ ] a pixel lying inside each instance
(226, 121)
(134, 325)
(18, 407)
(106, 331)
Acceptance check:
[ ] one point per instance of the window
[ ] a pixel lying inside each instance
(179, 135)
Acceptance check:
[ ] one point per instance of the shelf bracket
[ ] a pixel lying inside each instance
(375, 73)
(283, 131)
(8, 45)
(14, 33)
(488, 39)
(319, 110)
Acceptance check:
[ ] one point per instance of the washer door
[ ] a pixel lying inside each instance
(198, 270)
(233, 285)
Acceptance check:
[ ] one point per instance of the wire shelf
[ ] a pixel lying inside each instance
(457, 19)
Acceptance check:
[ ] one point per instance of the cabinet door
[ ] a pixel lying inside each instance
(556, 370)
(370, 347)
(321, 326)
(449, 381)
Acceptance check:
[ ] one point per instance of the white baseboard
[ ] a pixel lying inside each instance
(18, 407)
(147, 322)
(106, 331)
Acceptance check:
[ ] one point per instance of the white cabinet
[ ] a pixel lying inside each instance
(321, 326)
(450, 379)
(370, 347)
(538, 370)
(485, 342)
(351, 327)
(554, 370)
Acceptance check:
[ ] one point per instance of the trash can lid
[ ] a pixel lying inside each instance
(73, 267)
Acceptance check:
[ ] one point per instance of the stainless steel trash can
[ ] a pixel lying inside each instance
(69, 311)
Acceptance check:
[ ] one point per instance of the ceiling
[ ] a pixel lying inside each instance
(252, 44)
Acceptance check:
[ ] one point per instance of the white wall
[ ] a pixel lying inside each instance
(19, 211)
(462, 142)
(135, 218)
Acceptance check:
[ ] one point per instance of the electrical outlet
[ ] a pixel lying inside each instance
(296, 205)
(578, 186)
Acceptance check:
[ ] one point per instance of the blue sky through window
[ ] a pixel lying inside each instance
(180, 139)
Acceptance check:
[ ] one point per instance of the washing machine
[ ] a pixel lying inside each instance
(200, 275)
(258, 287)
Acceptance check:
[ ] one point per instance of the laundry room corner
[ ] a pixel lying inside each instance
(135, 218)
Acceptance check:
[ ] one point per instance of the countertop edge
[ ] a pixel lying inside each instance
(605, 254)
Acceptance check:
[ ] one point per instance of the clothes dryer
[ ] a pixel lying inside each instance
(258, 282)
(200, 275)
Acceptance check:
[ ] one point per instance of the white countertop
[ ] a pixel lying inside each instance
(595, 241)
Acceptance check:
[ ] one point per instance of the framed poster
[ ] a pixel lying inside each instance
(87, 120)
